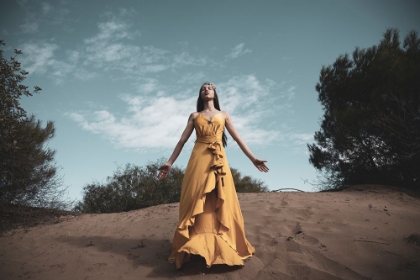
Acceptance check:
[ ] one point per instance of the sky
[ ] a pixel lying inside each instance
(119, 79)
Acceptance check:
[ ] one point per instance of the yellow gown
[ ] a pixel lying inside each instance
(210, 219)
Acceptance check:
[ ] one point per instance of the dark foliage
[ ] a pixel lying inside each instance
(135, 187)
(13, 216)
(27, 172)
(370, 131)
(247, 184)
(132, 188)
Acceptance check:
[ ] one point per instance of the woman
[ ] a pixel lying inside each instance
(210, 219)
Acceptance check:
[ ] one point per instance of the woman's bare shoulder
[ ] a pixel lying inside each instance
(193, 115)
(225, 114)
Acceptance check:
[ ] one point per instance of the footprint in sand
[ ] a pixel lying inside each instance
(329, 230)
(274, 210)
(292, 245)
(311, 240)
(301, 237)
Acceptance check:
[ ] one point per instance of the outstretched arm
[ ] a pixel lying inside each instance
(164, 169)
(260, 164)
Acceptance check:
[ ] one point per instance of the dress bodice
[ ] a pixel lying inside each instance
(209, 127)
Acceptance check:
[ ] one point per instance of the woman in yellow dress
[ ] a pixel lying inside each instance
(210, 219)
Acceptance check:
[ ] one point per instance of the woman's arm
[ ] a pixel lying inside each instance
(260, 164)
(164, 169)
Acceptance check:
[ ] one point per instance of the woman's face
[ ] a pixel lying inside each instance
(207, 92)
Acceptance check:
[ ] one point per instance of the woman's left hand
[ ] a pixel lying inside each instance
(164, 171)
(260, 164)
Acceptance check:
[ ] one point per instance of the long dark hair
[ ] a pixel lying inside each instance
(200, 107)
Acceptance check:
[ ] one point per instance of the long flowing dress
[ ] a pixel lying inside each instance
(210, 218)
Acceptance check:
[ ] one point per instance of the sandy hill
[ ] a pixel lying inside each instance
(363, 233)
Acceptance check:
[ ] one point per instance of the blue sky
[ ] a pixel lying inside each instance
(120, 78)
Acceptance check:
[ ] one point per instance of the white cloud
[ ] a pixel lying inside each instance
(112, 49)
(248, 101)
(83, 74)
(147, 85)
(38, 57)
(38, 15)
(157, 121)
(191, 78)
(123, 12)
(244, 92)
(76, 117)
(61, 69)
(29, 27)
(297, 142)
(46, 8)
(110, 53)
(291, 92)
(32, 17)
(185, 58)
(301, 138)
(111, 30)
(238, 50)
(73, 56)
(154, 68)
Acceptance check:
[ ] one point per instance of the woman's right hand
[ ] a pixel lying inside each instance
(164, 171)
(260, 164)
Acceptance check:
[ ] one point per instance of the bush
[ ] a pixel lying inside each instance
(247, 184)
(134, 187)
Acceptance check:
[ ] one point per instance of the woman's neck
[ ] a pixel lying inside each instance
(209, 106)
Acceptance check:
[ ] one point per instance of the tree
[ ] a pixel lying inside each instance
(27, 172)
(370, 131)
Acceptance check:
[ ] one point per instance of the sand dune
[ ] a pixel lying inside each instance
(357, 234)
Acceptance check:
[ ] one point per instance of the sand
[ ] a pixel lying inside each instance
(356, 234)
